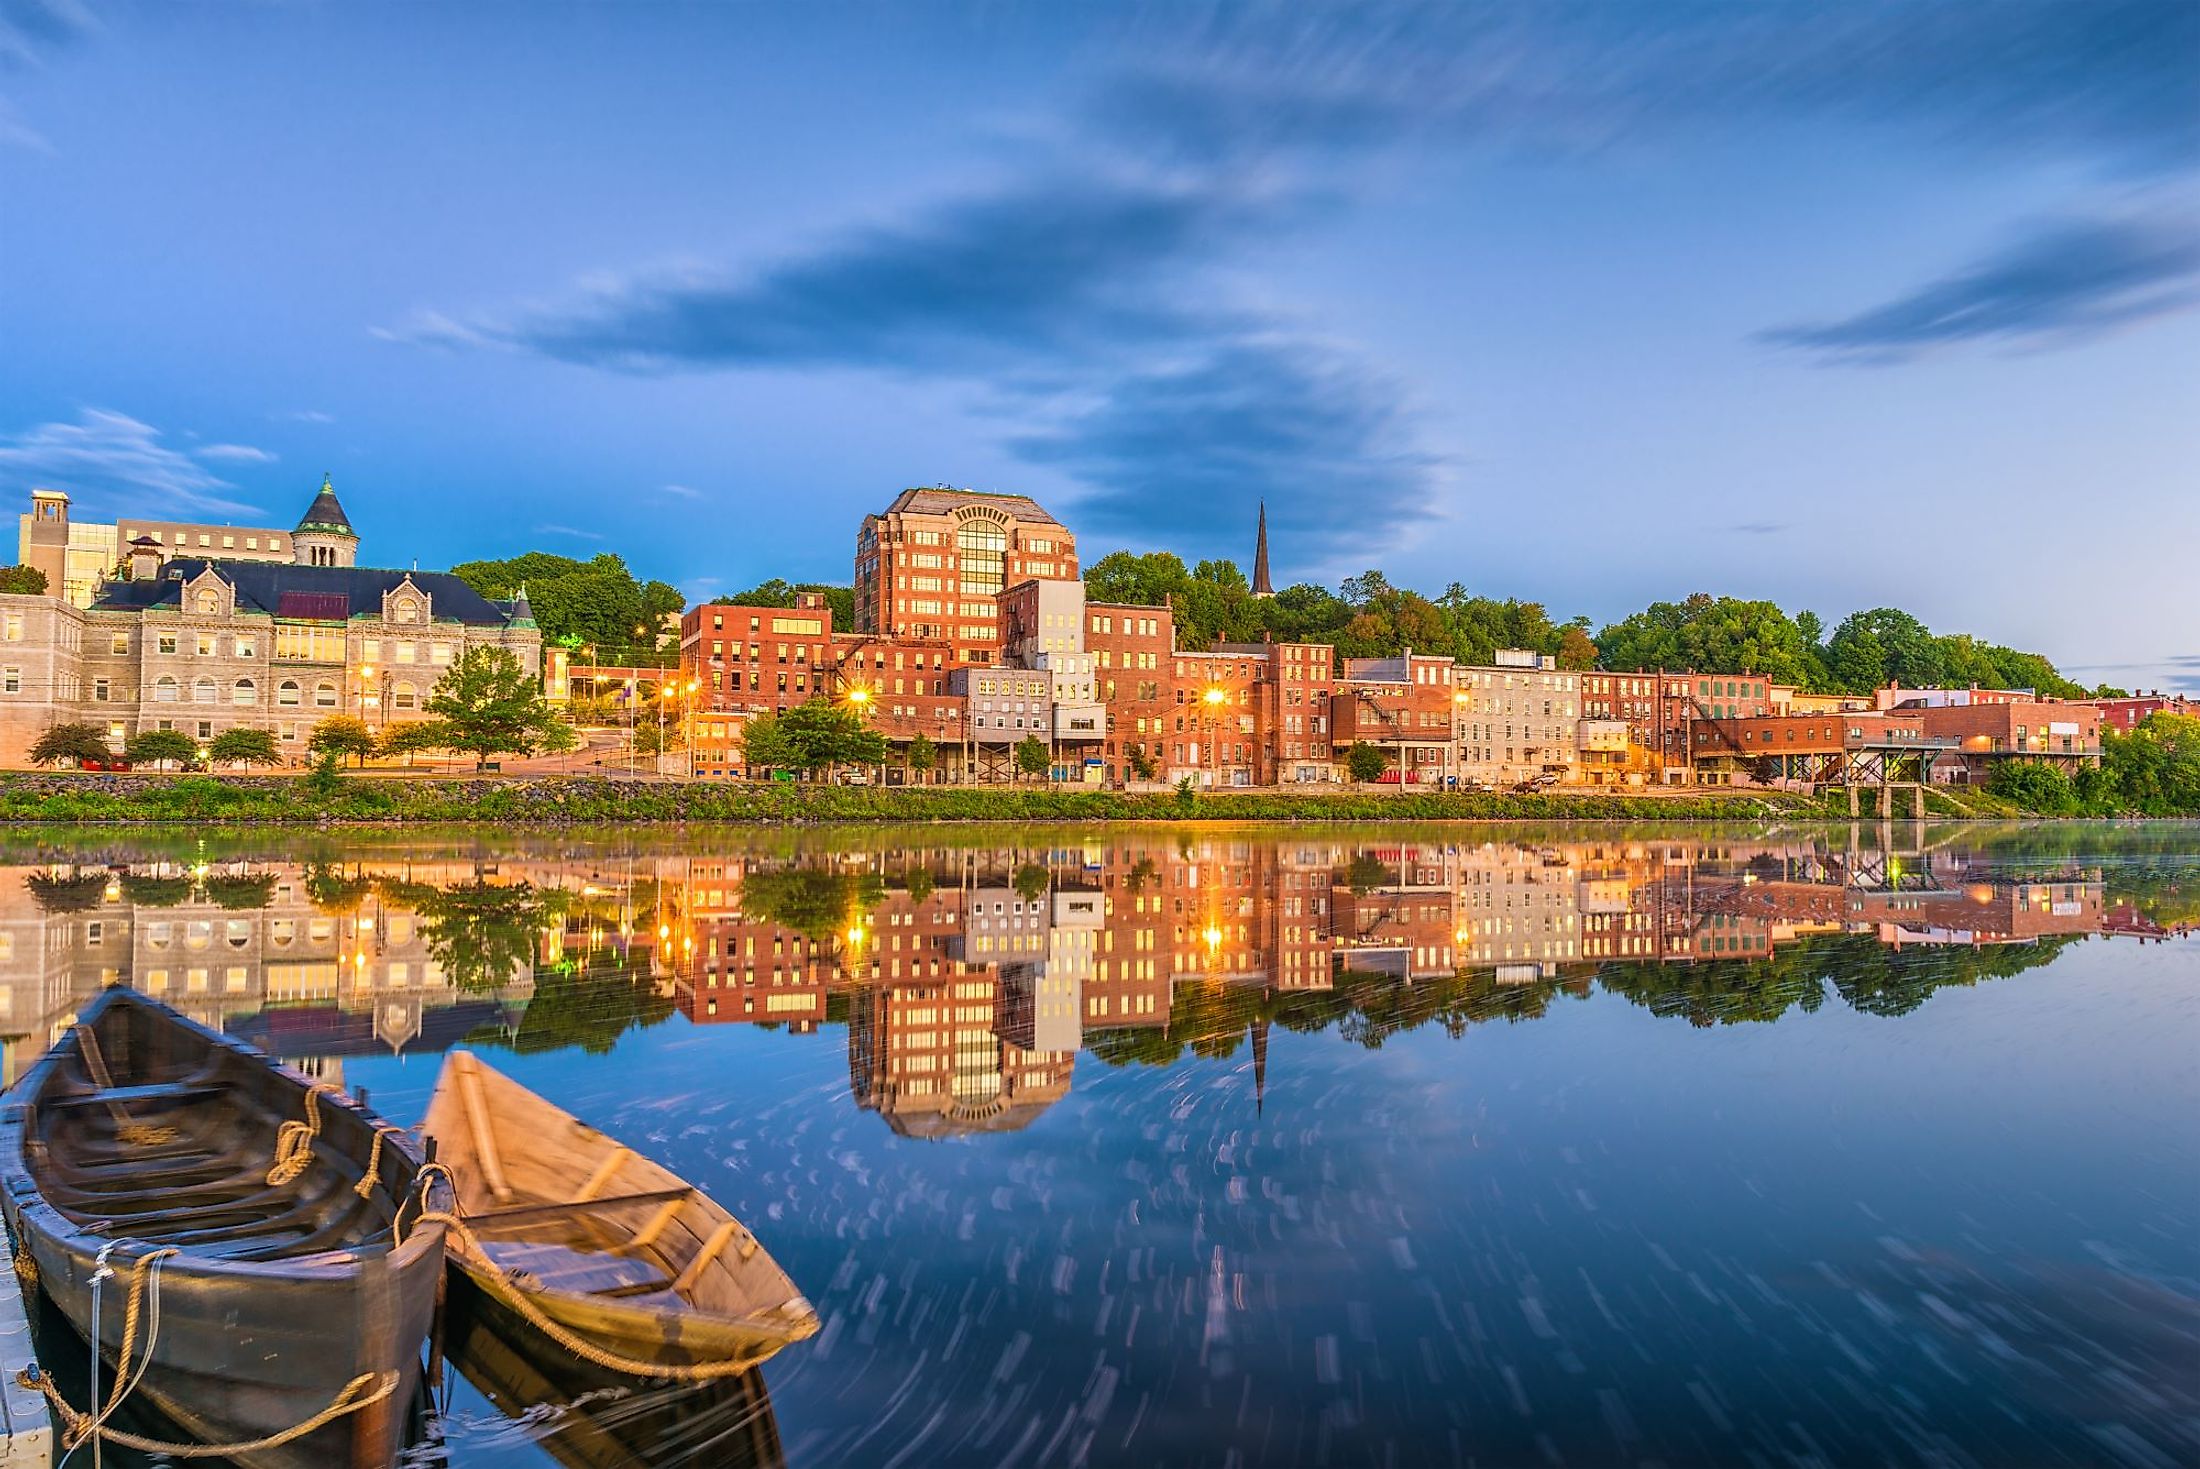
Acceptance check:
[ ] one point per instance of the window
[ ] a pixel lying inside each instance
(202, 692)
(11, 680)
(119, 643)
(165, 689)
(439, 654)
(324, 695)
(244, 691)
(99, 691)
(407, 611)
(248, 648)
(406, 652)
(206, 729)
(210, 602)
(12, 629)
(167, 643)
(404, 696)
(286, 693)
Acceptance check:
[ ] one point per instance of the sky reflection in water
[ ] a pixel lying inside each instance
(1158, 1146)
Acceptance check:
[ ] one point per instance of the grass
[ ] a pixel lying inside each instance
(562, 800)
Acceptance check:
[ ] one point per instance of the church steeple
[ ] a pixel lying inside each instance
(1261, 586)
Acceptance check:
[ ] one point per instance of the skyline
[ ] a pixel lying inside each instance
(1586, 307)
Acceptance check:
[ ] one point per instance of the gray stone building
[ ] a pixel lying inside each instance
(202, 644)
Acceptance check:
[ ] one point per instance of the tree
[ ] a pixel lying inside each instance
(23, 580)
(1722, 634)
(779, 592)
(239, 745)
(157, 747)
(812, 738)
(1032, 757)
(491, 705)
(1031, 882)
(652, 738)
(1364, 762)
(1574, 648)
(342, 736)
(922, 754)
(413, 737)
(1143, 763)
(70, 744)
(2035, 785)
(596, 601)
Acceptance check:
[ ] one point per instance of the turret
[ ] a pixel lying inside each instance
(325, 536)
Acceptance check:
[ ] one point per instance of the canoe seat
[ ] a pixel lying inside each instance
(579, 1272)
(152, 1091)
(514, 1215)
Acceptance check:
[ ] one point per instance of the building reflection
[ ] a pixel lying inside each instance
(969, 981)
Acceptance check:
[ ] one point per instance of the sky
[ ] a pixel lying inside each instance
(1588, 304)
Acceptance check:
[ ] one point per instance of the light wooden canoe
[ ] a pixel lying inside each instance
(636, 1262)
(142, 1131)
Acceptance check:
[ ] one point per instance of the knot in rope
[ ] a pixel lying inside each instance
(294, 1142)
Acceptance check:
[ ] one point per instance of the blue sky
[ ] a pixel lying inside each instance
(1845, 306)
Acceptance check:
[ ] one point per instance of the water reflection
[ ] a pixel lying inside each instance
(1252, 1146)
(970, 977)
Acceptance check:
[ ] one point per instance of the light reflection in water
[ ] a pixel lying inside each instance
(1087, 1230)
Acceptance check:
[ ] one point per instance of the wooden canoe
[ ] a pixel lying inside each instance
(619, 1252)
(587, 1417)
(141, 1131)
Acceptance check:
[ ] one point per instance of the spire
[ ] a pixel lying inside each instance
(326, 513)
(522, 614)
(1260, 1065)
(1261, 586)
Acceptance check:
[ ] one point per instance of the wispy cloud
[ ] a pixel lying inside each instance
(234, 453)
(112, 458)
(2060, 282)
(307, 415)
(552, 529)
(31, 31)
(680, 492)
(1319, 436)
(1088, 289)
(1759, 527)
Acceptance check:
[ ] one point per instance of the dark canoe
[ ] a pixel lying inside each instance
(588, 1417)
(141, 1130)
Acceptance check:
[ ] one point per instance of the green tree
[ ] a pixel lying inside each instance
(778, 592)
(23, 580)
(1574, 648)
(413, 737)
(1364, 762)
(1725, 634)
(1144, 764)
(2035, 785)
(1032, 758)
(491, 705)
(239, 745)
(70, 744)
(598, 601)
(1031, 882)
(157, 747)
(342, 736)
(922, 754)
(813, 738)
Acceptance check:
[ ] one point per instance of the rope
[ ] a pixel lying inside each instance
(494, 1280)
(365, 1186)
(294, 1142)
(146, 1134)
(77, 1427)
(26, 1264)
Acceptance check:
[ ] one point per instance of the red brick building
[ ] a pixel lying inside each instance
(929, 566)
(2126, 714)
(1133, 651)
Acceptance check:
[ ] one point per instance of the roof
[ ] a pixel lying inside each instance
(310, 593)
(326, 513)
(939, 500)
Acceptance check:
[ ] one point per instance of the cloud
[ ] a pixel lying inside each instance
(31, 31)
(680, 492)
(1186, 451)
(567, 530)
(2060, 282)
(1046, 267)
(235, 453)
(308, 415)
(1759, 527)
(114, 459)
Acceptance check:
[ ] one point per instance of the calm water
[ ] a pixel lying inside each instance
(1418, 1146)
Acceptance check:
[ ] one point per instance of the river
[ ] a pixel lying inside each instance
(1248, 1146)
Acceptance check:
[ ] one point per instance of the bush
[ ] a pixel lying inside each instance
(2036, 786)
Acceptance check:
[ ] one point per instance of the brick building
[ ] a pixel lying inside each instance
(930, 565)
(1133, 651)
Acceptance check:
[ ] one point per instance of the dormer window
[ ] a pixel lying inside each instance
(210, 603)
(407, 611)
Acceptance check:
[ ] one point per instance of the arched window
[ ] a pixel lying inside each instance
(286, 693)
(202, 692)
(403, 696)
(210, 602)
(324, 695)
(982, 547)
(245, 691)
(166, 689)
(406, 611)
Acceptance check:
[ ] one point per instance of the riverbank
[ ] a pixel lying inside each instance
(563, 800)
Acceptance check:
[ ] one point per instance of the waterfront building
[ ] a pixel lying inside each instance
(201, 645)
(1133, 650)
(2126, 713)
(78, 555)
(1519, 720)
(1407, 705)
(931, 565)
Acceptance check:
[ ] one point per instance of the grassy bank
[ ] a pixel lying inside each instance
(561, 800)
